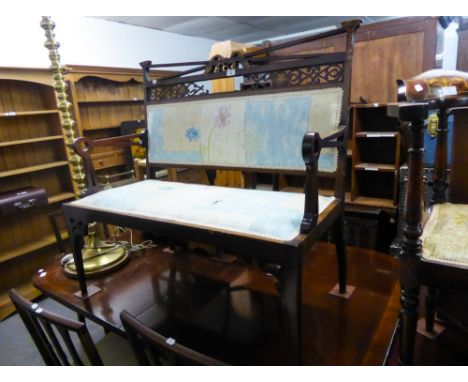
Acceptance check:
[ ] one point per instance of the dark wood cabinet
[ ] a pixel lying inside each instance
(376, 157)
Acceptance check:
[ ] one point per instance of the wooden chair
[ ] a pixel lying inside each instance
(435, 254)
(41, 324)
(164, 351)
(96, 181)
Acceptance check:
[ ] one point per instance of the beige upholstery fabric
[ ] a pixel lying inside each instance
(264, 131)
(445, 237)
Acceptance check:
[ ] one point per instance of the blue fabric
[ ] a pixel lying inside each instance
(264, 214)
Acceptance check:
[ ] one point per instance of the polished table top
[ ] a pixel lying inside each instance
(231, 310)
(137, 286)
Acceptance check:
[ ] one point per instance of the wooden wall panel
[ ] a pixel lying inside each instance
(378, 63)
(458, 190)
(462, 60)
(384, 52)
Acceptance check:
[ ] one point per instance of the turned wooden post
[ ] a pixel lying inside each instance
(416, 114)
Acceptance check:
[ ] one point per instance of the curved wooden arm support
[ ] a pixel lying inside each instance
(84, 145)
(311, 147)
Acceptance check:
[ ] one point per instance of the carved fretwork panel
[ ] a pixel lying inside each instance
(313, 75)
(189, 89)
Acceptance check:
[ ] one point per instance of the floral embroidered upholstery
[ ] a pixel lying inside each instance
(445, 237)
(252, 131)
(267, 215)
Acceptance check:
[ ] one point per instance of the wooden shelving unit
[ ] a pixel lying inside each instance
(29, 169)
(104, 97)
(31, 247)
(32, 153)
(32, 140)
(10, 114)
(383, 167)
(376, 157)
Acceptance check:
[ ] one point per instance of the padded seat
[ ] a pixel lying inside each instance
(445, 237)
(269, 215)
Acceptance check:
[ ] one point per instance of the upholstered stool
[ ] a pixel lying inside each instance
(445, 237)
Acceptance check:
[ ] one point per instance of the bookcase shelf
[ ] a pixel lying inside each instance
(97, 128)
(61, 197)
(375, 167)
(376, 134)
(9, 114)
(27, 170)
(32, 154)
(376, 157)
(103, 101)
(31, 246)
(31, 140)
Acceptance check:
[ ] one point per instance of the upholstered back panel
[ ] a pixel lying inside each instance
(250, 131)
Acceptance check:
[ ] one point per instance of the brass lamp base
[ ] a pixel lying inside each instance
(98, 256)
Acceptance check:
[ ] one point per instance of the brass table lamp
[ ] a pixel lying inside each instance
(98, 256)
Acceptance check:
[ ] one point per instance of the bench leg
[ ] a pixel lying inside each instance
(77, 242)
(290, 291)
(77, 228)
(340, 252)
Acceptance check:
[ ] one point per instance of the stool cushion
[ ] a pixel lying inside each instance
(445, 237)
(267, 215)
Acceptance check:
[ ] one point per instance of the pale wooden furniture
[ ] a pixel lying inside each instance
(103, 98)
(32, 153)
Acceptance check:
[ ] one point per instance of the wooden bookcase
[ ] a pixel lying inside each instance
(32, 153)
(104, 97)
(376, 157)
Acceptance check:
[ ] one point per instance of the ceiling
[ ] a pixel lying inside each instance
(238, 28)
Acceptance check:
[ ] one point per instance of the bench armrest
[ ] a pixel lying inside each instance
(84, 145)
(312, 145)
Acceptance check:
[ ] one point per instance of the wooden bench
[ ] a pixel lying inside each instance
(290, 115)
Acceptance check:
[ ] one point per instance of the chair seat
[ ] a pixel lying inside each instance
(267, 215)
(116, 351)
(445, 237)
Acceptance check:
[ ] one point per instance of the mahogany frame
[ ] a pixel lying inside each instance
(414, 270)
(265, 75)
